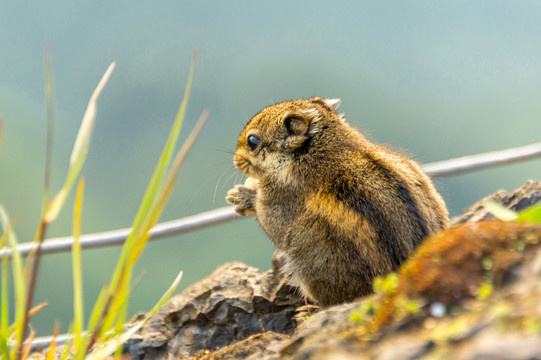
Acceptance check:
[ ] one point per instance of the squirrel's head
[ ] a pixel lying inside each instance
(281, 135)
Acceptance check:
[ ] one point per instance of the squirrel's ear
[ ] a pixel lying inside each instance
(296, 125)
(303, 122)
(333, 104)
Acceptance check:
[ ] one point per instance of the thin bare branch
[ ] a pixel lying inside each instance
(40, 343)
(117, 237)
(477, 162)
(226, 214)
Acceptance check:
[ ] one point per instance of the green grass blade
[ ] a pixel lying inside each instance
(156, 180)
(18, 277)
(77, 266)
(120, 282)
(168, 186)
(66, 351)
(165, 297)
(93, 322)
(32, 264)
(116, 342)
(119, 328)
(168, 151)
(4, 298)
(531, 214)
(158, 192)
(156, 210)
(1, 132)
(118, 304)
(51, 350)
(166, 190)
(68, 346)
(98, 308)
(50, 123)
(80, 150)
(149, 211)
(500, 211)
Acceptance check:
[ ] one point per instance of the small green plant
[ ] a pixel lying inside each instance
(484, 290)
(530, 214)
(386, 285)
(364, 312)
(385, 293)
(105, 331)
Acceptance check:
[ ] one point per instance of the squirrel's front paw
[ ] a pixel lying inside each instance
(244, 198)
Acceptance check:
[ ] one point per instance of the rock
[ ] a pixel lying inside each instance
(527, 195)
(451, 265)
(470, 292)
(473, 322)
(259, 346)
(233, 303)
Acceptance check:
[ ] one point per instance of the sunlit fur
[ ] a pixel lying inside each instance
(340, 209)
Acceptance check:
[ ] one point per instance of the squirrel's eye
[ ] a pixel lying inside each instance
(253, 142)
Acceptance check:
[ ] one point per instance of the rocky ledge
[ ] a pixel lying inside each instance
(470, 292)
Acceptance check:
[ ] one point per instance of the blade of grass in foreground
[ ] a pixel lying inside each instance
(97, 312)
(121, 279)
(51, 352)
(157, 209)
(531, 214)
(168, 151)
(77, 265)
(116, 313)
(32, 264)
(116, 342)
(1, 131)
(52, 208)
(67, 347)
(156, 180)
(28, 346)
(4, 298)
(170, 182)
(80, 149)
(161, 201)
(50, 124)
(48, 150)
(500, 211)
(18, 278)
(164, 195)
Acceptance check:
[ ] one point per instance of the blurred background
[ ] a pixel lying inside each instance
(435, 80)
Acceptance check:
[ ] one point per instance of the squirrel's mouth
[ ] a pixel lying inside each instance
(242, 164)
(246, 166)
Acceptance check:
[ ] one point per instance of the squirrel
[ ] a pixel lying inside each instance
(340, 209)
